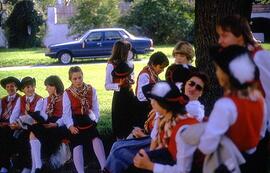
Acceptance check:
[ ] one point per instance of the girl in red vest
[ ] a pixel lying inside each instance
(7, 104)
(235, 30)
(123, 96)
(240, 113)
(167, 100)
(29, 105)
(81, 113)
(49, 130)
(148, 76)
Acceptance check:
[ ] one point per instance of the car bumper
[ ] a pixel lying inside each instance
(51, 54)
(150, 49)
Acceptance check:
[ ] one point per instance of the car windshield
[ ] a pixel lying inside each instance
(124, 32)
(83, 36)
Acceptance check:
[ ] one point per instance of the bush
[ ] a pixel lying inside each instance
(166, 21)
(22, 25)
(94, 14)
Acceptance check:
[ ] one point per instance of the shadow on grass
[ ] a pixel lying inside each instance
(83, 61)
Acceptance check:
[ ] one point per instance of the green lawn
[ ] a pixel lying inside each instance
(36, 56)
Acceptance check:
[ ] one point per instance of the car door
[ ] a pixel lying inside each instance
(92, 45)
(110, 37)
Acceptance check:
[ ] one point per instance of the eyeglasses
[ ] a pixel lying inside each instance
(197, 86)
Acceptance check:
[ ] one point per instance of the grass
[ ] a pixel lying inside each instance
(36, 57)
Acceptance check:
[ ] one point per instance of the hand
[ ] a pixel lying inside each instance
(141, 160)
(122, 82)
(138, 132)
(73, 130)
(50, 125)
(14, 126)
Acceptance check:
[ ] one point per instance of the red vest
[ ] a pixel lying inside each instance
(76, 106)
(152, 79)
(4, 102)
(172, 143)
(117, 79)
(32, 104)
(245, 132)
(58, 107)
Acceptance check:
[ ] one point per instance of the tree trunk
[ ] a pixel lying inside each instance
(207, 13)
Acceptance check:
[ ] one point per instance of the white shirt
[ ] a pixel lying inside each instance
(262, 60)
(143, 79)
(109, 85)
(67, 112)
(195, 109)
(184, 156)
(223, 115)
(17, 109)
(60, 121)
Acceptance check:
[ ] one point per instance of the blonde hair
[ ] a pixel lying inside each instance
(184, 47)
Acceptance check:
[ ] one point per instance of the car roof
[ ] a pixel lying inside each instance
(107, 29)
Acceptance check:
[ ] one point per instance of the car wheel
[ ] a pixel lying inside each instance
(65, 58)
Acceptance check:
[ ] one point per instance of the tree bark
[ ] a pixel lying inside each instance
(207, 13)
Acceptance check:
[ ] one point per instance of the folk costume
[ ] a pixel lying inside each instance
(145, 80)
(123, 97)
(27, 107)
(49, 140)
(81, 110)
(167, 153)
(241, 118)
(7, 105)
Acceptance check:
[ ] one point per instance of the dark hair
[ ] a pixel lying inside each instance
(158, 58)
(238, 26)
(55, 81)
(185, 48)
(72, 70)
(120, 52)
(174, 108)
(203, 76)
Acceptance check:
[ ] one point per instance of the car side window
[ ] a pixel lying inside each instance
(94, 36)
(112, 35)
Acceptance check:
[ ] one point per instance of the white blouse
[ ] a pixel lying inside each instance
(17, 109)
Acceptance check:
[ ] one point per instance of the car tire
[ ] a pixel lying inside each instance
(65, 58)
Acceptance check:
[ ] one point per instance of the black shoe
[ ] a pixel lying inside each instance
(38, 170)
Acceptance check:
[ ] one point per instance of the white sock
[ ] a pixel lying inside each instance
(99, 151)
(78, 159)
(3, 169)
(26, 170)
(33, 160)
(35, 152)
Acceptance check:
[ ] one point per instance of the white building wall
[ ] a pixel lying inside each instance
(55, 33)
(3, 39)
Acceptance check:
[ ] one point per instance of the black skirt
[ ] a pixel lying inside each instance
(87, 130)
(50, 138)
(6, 146)
(122, 112)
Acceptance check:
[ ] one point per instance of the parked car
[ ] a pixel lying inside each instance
(97, 43)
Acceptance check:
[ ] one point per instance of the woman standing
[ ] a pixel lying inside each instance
(123, 96)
